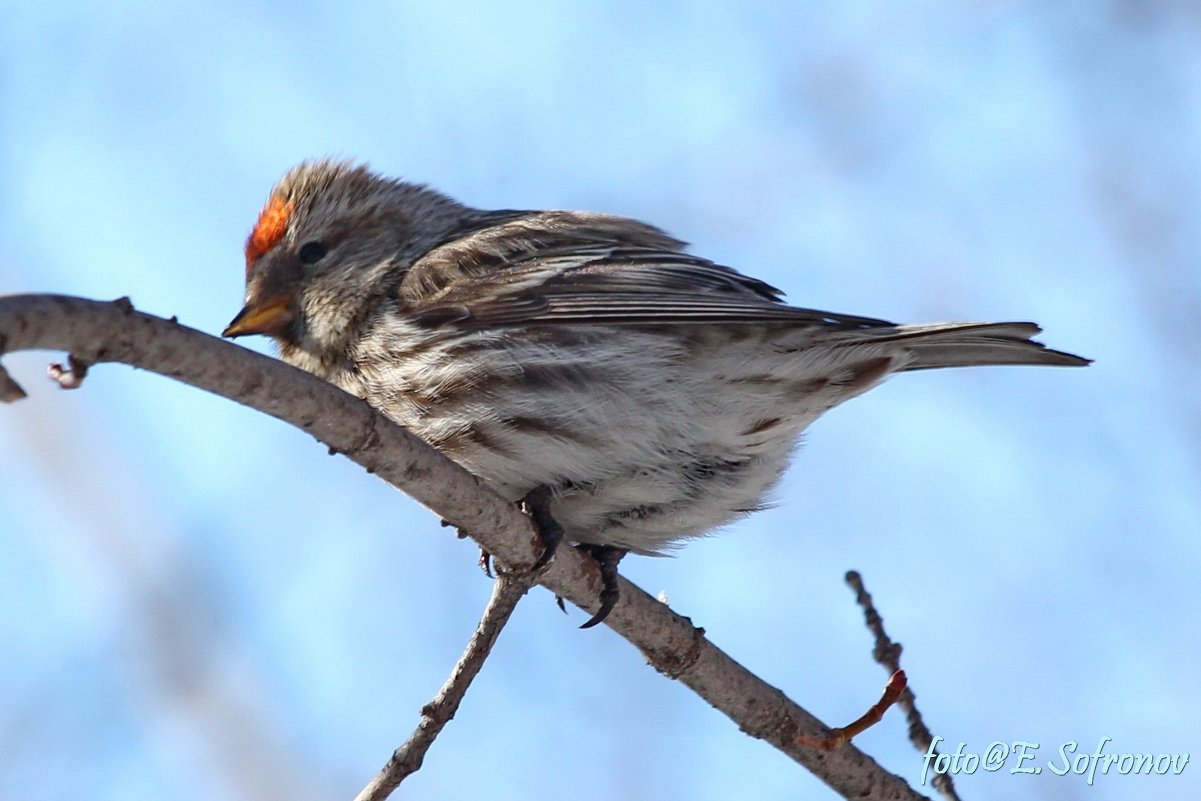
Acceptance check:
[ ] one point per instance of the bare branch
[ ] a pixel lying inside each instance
(97, 332)
(888, 654)
(507, 590)
(10, 391)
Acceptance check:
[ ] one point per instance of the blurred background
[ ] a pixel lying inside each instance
(196, 602)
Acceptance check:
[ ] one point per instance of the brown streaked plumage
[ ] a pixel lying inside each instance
(654, 394)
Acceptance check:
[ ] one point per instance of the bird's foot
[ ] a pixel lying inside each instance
(537, 506)
(607, 557)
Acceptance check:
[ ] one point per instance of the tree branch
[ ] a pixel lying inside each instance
(96, 332)
(888, 653)
(507, 590)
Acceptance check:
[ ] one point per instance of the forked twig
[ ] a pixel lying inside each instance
(506, 592)
(888, 654)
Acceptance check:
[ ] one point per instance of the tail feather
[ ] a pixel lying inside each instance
(970, 344)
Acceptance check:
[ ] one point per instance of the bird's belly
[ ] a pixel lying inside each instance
(645, 437)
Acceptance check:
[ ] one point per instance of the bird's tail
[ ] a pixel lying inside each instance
(970, 344)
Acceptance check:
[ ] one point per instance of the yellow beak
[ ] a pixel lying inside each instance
(271, 316)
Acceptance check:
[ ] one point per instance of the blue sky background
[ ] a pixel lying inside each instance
(196, 602)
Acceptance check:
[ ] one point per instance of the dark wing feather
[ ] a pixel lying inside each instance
(566, 267)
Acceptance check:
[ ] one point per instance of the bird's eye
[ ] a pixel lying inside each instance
(312, 252)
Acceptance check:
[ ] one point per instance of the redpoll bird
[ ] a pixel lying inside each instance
(640, 395)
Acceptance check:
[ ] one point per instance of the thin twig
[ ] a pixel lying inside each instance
(506, 592)
(837, 738)
(888, 653)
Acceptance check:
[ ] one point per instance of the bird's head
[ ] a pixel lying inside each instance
(332, 239)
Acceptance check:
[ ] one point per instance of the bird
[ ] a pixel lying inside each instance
(632, 394)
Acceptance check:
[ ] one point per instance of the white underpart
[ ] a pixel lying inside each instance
(653, 439)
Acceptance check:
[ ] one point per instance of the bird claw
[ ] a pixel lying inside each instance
(537, 506)
(607, 557)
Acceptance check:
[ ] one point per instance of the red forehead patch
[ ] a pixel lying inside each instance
(273, 222)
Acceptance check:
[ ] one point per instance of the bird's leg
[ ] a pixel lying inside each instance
(537, 506)
(607, 557)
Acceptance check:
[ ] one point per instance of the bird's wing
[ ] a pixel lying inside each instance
(568, 267)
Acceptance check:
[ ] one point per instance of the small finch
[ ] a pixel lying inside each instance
(635, 394)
